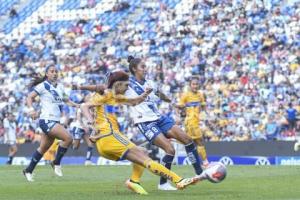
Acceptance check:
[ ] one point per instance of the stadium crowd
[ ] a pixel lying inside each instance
(246, 53)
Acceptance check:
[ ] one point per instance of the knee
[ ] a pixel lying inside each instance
(68, 140)
(170, 149)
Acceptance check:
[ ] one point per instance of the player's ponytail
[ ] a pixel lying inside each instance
(37, 79)
(133, 63)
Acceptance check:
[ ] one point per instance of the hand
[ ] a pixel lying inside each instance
(33, 114)
(148, 90)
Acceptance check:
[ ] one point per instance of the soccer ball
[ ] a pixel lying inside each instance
(216, 172)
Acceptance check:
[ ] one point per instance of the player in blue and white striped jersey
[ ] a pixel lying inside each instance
(52, 98)
(157, 128)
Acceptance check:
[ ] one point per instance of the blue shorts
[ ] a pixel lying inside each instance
(152, 129)
(47, 125)
(77, 133)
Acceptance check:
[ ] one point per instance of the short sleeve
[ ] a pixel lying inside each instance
(97, 99)
(5, 123)
(39, 89)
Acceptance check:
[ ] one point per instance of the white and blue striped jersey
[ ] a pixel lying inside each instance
(51, 100)
(146, 111)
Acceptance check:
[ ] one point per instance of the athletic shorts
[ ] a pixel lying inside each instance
(152, 129)
(77, 133)
(114, 146)
(47, 125)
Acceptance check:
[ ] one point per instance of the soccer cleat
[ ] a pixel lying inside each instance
(166, 186)
(135, 187)
(297, 146)
(57, 169)
(186, 182)
(88, 162)
(28, 176)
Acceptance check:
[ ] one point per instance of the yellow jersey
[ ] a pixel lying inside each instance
(192, 103)
(106, 111)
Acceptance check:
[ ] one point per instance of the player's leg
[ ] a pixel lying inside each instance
(155, 136)
(46, 142)
(201, 151)
(58, 131)
(134, 182)
(11, 153)
(137, 156)
(89, 151)
(177, 133)
(76, 138)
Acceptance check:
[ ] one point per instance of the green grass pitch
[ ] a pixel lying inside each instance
(107, 182)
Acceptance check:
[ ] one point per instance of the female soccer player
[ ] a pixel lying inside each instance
(10, 137)
(192, 101)
(114, 145)
(80, 131)
(51, 99)
(155, 127)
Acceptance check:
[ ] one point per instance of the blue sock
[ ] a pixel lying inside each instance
(60, 153)
(167, 162)
(194, 158)
(89, 153)
(36, 157)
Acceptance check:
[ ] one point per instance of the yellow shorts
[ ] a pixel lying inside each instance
(193, 130)
(114, 146)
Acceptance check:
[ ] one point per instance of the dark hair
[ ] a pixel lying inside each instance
(37, 79)
(116, 76)
(197, 78)
(133, 63)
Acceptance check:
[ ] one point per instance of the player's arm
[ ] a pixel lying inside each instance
(122, 99)
(29, 100)
(93, 88)
(163, 96)
(85, 108)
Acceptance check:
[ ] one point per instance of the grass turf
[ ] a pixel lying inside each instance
(107, 182)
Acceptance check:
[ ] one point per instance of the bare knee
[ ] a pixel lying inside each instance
(169, 149)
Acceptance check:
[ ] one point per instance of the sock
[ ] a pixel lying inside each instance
(167, 162)
(60, 153)
(9, 161)
(36, 157)
(193, 156)
(160, 170)
(202, 152)
(137, 172)
(89, 153)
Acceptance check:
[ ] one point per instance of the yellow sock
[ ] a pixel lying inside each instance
(202, 152)
(160, 170)
(137, 172)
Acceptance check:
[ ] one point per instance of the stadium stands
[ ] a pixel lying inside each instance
(246, 51)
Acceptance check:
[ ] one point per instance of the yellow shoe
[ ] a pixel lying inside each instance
(186, 182)
(135, 187)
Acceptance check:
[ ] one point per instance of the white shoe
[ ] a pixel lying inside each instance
(88, 162)
(57, 169)
(166, 186)
(28, 176)
(297, 146)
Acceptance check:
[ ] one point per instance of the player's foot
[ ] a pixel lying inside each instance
(88, 162)
(28, 176)
(57, 169)
(166, 186)
(297, 146)
(135, 187)
(186, 182)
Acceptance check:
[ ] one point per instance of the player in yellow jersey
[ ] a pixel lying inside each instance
(49, 156)
(193, 101)
(114, 145)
